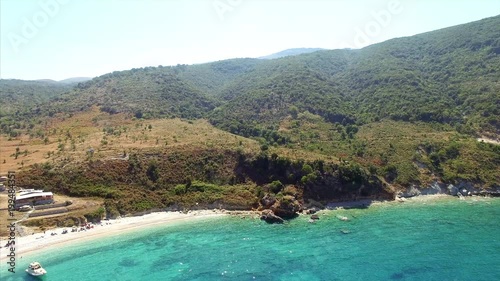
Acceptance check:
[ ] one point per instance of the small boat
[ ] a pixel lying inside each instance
(35, 269)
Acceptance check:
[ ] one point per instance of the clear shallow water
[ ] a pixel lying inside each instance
(445, 239)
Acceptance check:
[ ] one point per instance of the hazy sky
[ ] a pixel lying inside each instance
(58, 39)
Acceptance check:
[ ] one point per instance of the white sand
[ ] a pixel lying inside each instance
(39, 241)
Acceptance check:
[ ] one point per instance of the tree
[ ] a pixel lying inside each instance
(152, 172)
(276, 186)
(294, 111)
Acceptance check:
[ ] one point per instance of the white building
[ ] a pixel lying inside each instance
(33, 197)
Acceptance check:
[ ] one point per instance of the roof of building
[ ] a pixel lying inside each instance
(24, 194)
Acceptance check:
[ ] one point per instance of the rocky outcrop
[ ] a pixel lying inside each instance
(287, 207)
(434, 188)
(277, 209)
(312, 207)
(410, 192)
(268, 216)
(312, 210)
(493, 192)
(267, 201)
(452, 190)
(459, 189)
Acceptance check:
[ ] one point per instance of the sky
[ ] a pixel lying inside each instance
(59, 39)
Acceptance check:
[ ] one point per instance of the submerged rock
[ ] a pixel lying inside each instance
(345, 231)
(342, 218)
(315, 217)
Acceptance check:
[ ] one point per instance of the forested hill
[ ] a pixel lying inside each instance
(18, 95)
(448, 76)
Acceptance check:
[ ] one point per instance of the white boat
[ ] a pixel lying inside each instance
(35, 269)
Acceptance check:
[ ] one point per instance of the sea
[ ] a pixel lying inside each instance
(435, 238)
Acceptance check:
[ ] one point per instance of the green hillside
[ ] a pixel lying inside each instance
(18, 96)
(447, 76)
(146, 93)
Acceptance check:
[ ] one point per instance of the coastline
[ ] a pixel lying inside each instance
(30, 244)
(390, 233)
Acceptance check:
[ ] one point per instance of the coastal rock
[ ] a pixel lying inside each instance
(267, 201)
(434, 188)
(461, 189)
(360, 204)
(287, 207)
(452, 190)
(312, 210)
(465, 192)
(465, 188)
(312, 204)
(315, 217)
(410, 192)
(468, 189)
(268, 216)
(493, 191)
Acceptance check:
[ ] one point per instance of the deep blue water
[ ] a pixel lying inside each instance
(442, 239)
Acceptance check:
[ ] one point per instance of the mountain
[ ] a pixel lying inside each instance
(447, 76)
(290, 52)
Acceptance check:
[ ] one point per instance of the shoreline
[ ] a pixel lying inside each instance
(31, 244)
(37, 242)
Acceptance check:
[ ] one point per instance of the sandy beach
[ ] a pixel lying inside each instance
(39, 241)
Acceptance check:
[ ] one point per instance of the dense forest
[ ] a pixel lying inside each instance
(405, 112)
(17, 96)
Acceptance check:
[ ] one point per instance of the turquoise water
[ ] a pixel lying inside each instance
(445, 239)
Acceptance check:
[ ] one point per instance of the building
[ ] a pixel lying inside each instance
(33, 197)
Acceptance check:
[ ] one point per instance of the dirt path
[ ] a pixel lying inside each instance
(487, 140)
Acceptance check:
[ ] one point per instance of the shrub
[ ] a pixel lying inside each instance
(275, 186)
